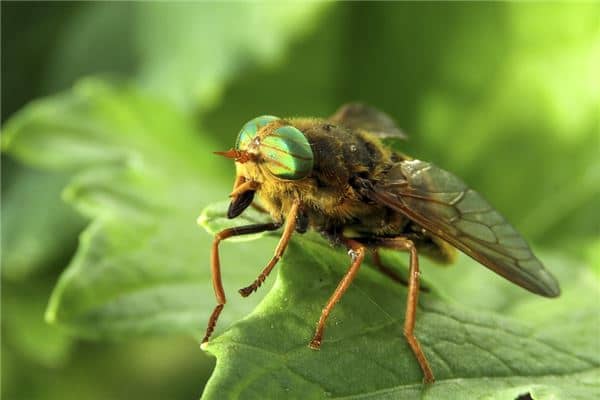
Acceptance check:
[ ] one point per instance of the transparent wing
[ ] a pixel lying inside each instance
(361, 116)
(441, 203)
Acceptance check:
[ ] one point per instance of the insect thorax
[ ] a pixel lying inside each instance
(329, 194)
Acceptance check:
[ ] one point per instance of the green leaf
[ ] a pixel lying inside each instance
(150, 368)
(197, 47)
(180, 51)
(38, 229)
(541, 346)
(214, 219)
(144, 174)
(23, 324)
(464, 280)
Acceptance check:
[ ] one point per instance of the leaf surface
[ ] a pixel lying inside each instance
(548, 348)
(38, 229)
(142, 264)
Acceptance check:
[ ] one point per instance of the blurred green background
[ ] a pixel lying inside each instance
(505, 95)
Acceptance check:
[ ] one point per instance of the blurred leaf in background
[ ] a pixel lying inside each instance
(84, 139)
(182, 51)
(140, 163)
(41, 229)
(503, 94)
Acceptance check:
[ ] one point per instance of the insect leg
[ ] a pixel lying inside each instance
(241, 196)
(215, 267)
(290, 226)
(411, 303)
(244, 187)
(259, 208)
(239, 179)
(387, 270)
(390, 273)
(358, 254)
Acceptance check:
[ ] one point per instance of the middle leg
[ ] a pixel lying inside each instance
(387, 271)
(390, 273)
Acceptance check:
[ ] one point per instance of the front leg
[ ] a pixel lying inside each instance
(290, 226)
(215, 267)
(241, 196)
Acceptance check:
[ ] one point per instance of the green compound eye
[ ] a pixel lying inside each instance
(250, 130)
(287, 153)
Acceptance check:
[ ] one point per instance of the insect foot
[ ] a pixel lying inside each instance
(212, 322)
(247, 291)
(315, 344)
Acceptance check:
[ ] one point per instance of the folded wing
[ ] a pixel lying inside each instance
(442, 204)
(361, 116)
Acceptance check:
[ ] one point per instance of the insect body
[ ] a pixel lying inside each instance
(335, 176)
